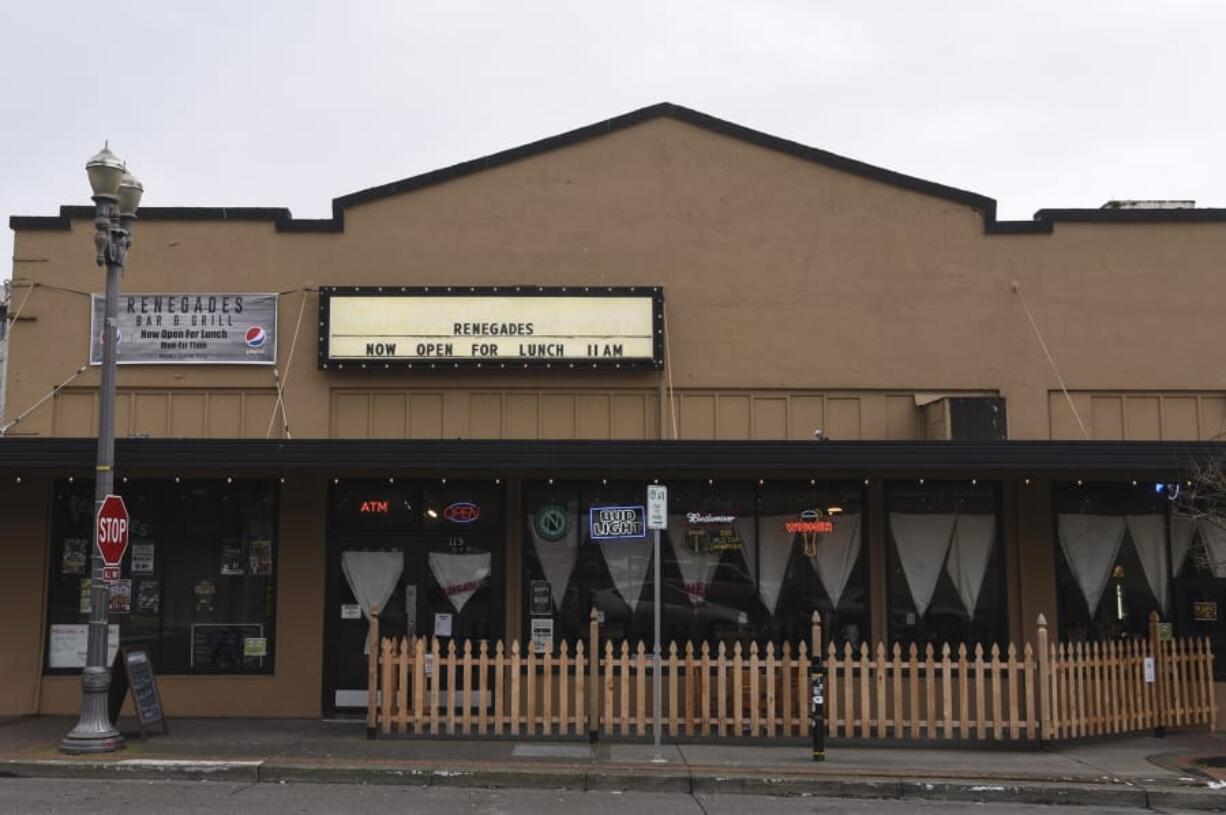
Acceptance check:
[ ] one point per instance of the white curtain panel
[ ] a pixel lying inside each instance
(1149, 538)
(749, 545)
(628, 561)
(1214, 539)
(372, 577)
(837, 552)
(1182, 529)
(459, 576)
(1091, 544)
(969, 553)
(558, 557)
(697, 570)
(922, 540)
(775, 551)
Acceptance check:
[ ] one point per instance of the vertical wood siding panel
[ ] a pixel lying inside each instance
(770, 417)
(805, 414)
(388, 419)
(732, 417)
(426, 415)
(350, 415)
(593, 420)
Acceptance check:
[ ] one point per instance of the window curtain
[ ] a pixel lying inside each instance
(1149, 537)
(372, 577)
(1214, 539)
(749, 546)
(837, 553)
(628, 561)
(558, 557)
(697, 568)
(773, 556)
(1091, 544)
(460, 576)
(1182, 529)
(922, 540)
(969, 553)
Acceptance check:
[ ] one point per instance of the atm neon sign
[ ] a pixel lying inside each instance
(374, 508)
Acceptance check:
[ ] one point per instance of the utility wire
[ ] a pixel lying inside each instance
(1017, 289)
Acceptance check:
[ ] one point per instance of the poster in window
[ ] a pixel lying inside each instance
(259, 557)
(148, 596)
(205, 591)
(67, 644)
(542, 597)
(542, 635)
(255, 647)
(232, 558)
(85, 603)
(1204, 612)
(142, 558)
(75, 556)
(120, 594)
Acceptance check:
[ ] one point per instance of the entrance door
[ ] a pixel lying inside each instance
(432, 551)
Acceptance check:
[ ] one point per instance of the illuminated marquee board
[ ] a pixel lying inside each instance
(491, 327)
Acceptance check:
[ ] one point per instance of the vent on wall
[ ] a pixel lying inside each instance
(966, 418)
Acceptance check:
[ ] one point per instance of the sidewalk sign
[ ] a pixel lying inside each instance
(133, 668)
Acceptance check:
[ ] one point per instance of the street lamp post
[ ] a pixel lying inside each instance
(116, 196)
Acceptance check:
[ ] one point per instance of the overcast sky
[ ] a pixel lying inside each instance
(1036, 104)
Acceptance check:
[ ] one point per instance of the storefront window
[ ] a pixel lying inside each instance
(197, 583)
(811, 557)
(734, 563)
(946, 575)
(1113, 568)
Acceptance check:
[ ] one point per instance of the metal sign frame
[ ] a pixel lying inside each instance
(487, 364)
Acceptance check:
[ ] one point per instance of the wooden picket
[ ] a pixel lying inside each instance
(1054, 691)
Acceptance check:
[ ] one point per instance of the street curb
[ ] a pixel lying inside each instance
(627, 779)
(134, 769)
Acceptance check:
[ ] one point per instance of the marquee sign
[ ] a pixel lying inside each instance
(491, 327)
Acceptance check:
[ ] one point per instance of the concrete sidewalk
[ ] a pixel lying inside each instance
(1140, 771)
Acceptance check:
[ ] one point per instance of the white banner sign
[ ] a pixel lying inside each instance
(494, 327)
(217, 328)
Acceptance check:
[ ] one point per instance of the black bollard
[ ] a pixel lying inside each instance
(817, 708)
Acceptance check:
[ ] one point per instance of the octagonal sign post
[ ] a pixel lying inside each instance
(112, 532)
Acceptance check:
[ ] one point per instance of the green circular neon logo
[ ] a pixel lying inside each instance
(551, 522)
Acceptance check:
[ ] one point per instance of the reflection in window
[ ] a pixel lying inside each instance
(1112, 561)
(946, 579)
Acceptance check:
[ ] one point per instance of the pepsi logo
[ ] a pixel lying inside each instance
(256, 337)
(462, 512)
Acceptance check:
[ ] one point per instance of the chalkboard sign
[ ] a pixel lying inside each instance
(133, 669)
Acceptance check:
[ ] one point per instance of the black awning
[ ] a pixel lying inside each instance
(1126, 459)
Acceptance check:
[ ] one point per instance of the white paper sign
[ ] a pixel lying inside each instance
(351, 611)
(542, 635)
(657, 506)
(67, 645)
(142, 558)
(1149, 670)
(442, 625)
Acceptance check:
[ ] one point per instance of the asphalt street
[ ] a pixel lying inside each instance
(47, 796)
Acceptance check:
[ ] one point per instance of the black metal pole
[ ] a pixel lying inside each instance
(817, 707)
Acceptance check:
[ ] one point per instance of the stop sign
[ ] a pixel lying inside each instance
(112, 530)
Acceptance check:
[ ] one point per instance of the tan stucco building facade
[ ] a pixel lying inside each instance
(801, 291)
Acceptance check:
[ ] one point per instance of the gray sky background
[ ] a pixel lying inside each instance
(1036, 104)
